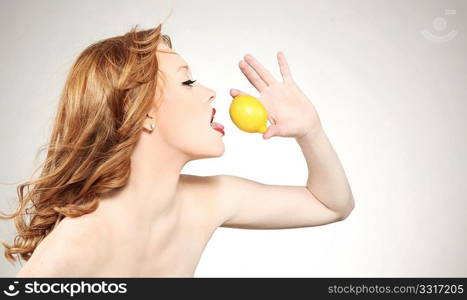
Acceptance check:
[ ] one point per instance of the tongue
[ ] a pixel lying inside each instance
(217, 126)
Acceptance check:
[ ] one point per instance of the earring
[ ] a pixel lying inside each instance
(151, 125)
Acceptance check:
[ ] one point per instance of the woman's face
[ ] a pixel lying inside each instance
(183, 119)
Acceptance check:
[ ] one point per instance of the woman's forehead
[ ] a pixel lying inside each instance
(168, 59)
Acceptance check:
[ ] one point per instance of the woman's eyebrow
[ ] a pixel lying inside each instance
(184, 66)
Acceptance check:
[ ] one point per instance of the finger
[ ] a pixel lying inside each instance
(284, 67)
(273, 130)
(260, 69)
(236, 92)
(252, 76)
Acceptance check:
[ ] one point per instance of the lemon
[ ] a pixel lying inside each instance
(248, 114)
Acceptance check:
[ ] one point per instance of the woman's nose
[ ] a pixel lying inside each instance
(212, 95)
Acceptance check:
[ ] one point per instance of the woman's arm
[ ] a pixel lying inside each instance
(326, 198)
(326, 177)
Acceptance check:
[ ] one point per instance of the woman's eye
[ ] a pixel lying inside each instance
(189, 82)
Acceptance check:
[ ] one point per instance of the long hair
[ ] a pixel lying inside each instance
(103, 105)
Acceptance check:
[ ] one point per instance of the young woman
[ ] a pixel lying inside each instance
(111, 200)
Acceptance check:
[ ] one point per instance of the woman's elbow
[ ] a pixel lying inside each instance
(349, 208)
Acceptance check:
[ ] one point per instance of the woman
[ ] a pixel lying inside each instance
(111, 200)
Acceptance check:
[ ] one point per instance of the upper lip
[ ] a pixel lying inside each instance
(212, 114)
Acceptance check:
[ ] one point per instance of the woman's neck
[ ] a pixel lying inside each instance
(152, 186)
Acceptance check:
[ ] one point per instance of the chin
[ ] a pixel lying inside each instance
(203, 145)
(216, 150)
(220, 152)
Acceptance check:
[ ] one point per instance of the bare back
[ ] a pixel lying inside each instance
(172, 248)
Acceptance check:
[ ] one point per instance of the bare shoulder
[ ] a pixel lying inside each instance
(200, 189)
(204, 193)
(201, 183)
(72, 249)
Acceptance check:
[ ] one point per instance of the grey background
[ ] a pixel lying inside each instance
(392, 100)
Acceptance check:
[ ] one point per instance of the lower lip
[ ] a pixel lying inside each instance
(220, 131)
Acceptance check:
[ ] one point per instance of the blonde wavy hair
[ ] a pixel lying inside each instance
(107, 94)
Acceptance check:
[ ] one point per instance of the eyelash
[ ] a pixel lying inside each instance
(189, 82)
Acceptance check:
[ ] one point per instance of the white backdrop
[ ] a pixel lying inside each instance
(387, 78)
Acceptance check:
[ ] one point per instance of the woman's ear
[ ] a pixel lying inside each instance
(150, 123)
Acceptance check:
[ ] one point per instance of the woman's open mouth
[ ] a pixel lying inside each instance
(216, 126)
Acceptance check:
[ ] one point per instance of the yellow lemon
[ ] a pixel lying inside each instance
(248, 113)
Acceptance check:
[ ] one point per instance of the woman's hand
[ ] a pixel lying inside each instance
(290, 112)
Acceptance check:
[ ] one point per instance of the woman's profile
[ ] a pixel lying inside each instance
(111, 199)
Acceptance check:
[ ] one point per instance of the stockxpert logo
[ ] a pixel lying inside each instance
(11, 290)
(441, 34)
(70, 289)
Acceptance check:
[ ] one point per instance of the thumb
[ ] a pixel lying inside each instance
(236, 92)
(273, 130)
